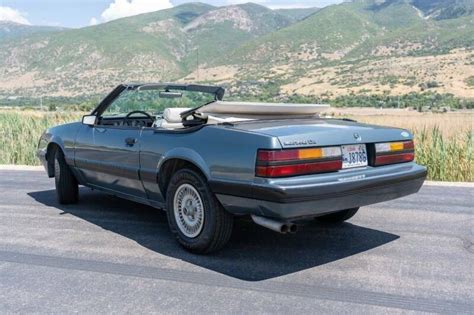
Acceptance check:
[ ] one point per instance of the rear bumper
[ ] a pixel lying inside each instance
(316, 195)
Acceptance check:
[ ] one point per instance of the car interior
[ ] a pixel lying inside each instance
(149, 106)
(133, 119)
(158, 107)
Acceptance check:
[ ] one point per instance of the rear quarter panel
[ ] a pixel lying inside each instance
(221, 153)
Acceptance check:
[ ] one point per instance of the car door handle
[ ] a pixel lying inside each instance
(130, 141)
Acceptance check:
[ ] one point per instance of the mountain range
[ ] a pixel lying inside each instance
(358, 47)
(13, 30)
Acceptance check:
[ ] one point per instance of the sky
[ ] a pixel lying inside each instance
(80, 13)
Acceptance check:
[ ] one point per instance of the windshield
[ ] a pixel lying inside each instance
(155, 101)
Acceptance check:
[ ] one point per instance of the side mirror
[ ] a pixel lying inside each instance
(89, 120)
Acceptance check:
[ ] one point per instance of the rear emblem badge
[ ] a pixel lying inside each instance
(405, 134)
(357, 137)
(299, 142)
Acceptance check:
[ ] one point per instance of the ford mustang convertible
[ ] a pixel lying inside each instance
(181, 148)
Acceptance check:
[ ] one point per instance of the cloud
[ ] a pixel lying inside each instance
(123, 8)
(12, 15)
(93, 21)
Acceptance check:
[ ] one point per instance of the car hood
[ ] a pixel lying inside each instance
(322, 132)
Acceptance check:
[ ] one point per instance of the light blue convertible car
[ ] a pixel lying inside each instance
(182, 149)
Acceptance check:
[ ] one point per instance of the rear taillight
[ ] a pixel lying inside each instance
(284, 163)
(394, 152)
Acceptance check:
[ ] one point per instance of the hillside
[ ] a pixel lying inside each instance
(297, 14)
(12, 30)
(361, 47)
(221, 30)
(441, 9)
(156, 46)
(357, 48)
(358, 30)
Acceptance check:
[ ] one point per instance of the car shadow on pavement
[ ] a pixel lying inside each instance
(254, 253)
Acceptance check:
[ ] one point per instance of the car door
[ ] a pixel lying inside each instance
(108, 157)
(107, 153)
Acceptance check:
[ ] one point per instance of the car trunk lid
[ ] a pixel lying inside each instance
(322, 132)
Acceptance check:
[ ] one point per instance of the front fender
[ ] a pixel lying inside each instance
(58, 141)
(46, 140)
(43, 152)
(64, 137)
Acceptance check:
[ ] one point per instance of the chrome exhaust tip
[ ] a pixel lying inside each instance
(275, 225)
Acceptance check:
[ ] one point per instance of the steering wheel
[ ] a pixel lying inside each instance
(138, 112)
(127, 117)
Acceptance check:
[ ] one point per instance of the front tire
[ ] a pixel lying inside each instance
(338, 217)
(67, 188)
(195, 216)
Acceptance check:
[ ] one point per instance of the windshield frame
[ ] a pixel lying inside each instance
(217, 91)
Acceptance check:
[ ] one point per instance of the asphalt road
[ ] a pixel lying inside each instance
(110, 255)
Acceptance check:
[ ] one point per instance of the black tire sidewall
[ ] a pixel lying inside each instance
(67, 189)
(57, 170)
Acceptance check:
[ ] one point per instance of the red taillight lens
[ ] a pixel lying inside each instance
(283, 155)
(298, 169)
(285, 163)
(394, 152)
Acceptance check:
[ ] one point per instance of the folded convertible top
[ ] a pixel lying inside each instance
(267, 109)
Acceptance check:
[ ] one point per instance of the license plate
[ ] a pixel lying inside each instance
(354, 155)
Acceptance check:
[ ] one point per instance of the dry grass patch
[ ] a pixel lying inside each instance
(397, 75)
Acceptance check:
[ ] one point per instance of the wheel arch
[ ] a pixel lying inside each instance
(176, 161)
(51, 149)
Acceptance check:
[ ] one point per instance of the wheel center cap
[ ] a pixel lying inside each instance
(189, 210)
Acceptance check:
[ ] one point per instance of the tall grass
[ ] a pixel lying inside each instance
(449, 159)
(20, 132)
(444, 142)
(447, 152)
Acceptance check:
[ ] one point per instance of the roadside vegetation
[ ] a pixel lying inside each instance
(444, 142)
(447, 159)
(21, 130)
(419, 101)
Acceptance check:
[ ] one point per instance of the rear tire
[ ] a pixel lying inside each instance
(195, 216)
(338, 217)
(67, 188)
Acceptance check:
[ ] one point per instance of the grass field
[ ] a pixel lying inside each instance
(21, 130)
(444, 142)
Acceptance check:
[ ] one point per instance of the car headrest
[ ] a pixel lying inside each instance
(172, 115)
